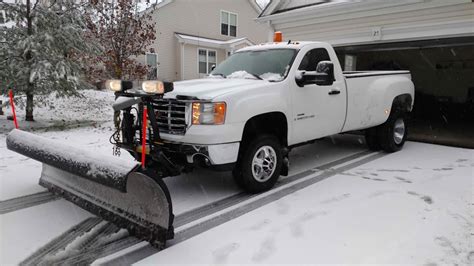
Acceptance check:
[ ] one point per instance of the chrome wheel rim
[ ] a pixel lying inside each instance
(264, 163)
(399, 131)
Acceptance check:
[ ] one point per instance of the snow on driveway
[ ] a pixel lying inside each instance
(202, 186)
(414, 206)
(24, 231)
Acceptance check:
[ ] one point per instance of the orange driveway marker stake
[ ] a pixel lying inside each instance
(12, 104)
(144, 137)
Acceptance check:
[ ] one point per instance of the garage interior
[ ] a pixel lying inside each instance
(443, 73)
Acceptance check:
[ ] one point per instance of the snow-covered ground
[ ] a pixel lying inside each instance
(25, 231)
(411, 207)
(414, 206)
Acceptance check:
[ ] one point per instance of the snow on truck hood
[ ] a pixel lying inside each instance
(209, 88)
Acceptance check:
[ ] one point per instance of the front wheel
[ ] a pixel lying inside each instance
(393, 133)
(260, 164)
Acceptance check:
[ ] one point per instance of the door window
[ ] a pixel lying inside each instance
(312, 58)
(207, 59)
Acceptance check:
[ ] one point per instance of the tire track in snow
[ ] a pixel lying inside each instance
(197, 227)
(107, 232)
(327, 170)
(98, 245)
(81, 245)
(23, 202)
(237, 198)
(61, 241)
(86, 257)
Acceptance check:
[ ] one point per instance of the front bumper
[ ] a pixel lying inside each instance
(208, 134)
(211, 154)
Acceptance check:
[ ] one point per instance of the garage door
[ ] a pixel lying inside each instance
(443, 73)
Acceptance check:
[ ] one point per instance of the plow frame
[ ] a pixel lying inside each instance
(131, 129)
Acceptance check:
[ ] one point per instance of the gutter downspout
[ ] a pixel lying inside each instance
(182, 61)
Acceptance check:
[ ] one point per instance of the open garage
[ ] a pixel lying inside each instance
(434, 39)
(443, 73)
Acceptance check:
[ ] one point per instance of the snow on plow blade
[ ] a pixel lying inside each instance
(115, 189)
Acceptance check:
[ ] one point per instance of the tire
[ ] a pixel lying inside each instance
(393, 133)
(372, 139)
(256, 172)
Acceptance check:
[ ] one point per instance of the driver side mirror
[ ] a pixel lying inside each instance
(323, 76)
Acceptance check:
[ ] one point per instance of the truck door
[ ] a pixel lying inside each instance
(318, 111)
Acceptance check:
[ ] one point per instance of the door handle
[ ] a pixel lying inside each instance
(334, 92)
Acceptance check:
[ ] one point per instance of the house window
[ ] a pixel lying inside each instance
(152, 63)
(207, 58)
(228, 24)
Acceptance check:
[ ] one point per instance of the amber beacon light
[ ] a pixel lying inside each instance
(278, 36)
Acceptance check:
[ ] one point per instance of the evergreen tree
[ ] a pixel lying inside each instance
(39, 53)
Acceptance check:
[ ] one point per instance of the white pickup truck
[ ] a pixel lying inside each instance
(265, 99)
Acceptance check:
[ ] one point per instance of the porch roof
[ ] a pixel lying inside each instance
(211, 43)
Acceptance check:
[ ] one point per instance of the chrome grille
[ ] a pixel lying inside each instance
(170, 116)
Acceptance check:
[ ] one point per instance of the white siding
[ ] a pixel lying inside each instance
(200, 18)
(411, 21)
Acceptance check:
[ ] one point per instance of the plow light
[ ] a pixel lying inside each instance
(114, 85)
(153, 86)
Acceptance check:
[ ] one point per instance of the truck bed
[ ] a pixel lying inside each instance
(370, 95)
(360, 74)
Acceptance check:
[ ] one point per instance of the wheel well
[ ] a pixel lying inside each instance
(273, 123)
(403, 101)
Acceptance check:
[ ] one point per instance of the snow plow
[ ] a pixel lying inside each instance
(126, 193)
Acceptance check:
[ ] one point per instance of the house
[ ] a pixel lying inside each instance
(193, 36)
(434, 39)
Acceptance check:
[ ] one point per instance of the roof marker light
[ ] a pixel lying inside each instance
(278, 36)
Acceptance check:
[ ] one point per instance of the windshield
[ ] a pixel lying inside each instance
(271, 65)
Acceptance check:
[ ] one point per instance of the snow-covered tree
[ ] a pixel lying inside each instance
(39, 52)
(124, 30)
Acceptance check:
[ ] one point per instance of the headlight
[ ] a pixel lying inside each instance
(113, 85)
(153, 86)
(209, 113)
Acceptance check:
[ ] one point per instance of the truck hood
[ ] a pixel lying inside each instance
(209, 88)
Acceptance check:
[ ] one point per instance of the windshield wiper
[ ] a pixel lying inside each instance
(218, 74)
(256, 76)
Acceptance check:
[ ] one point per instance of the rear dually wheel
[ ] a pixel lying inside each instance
(393, 133)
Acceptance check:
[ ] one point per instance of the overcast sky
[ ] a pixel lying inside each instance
(262, 3)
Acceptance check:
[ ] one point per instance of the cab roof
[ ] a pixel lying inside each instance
(279, 45)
